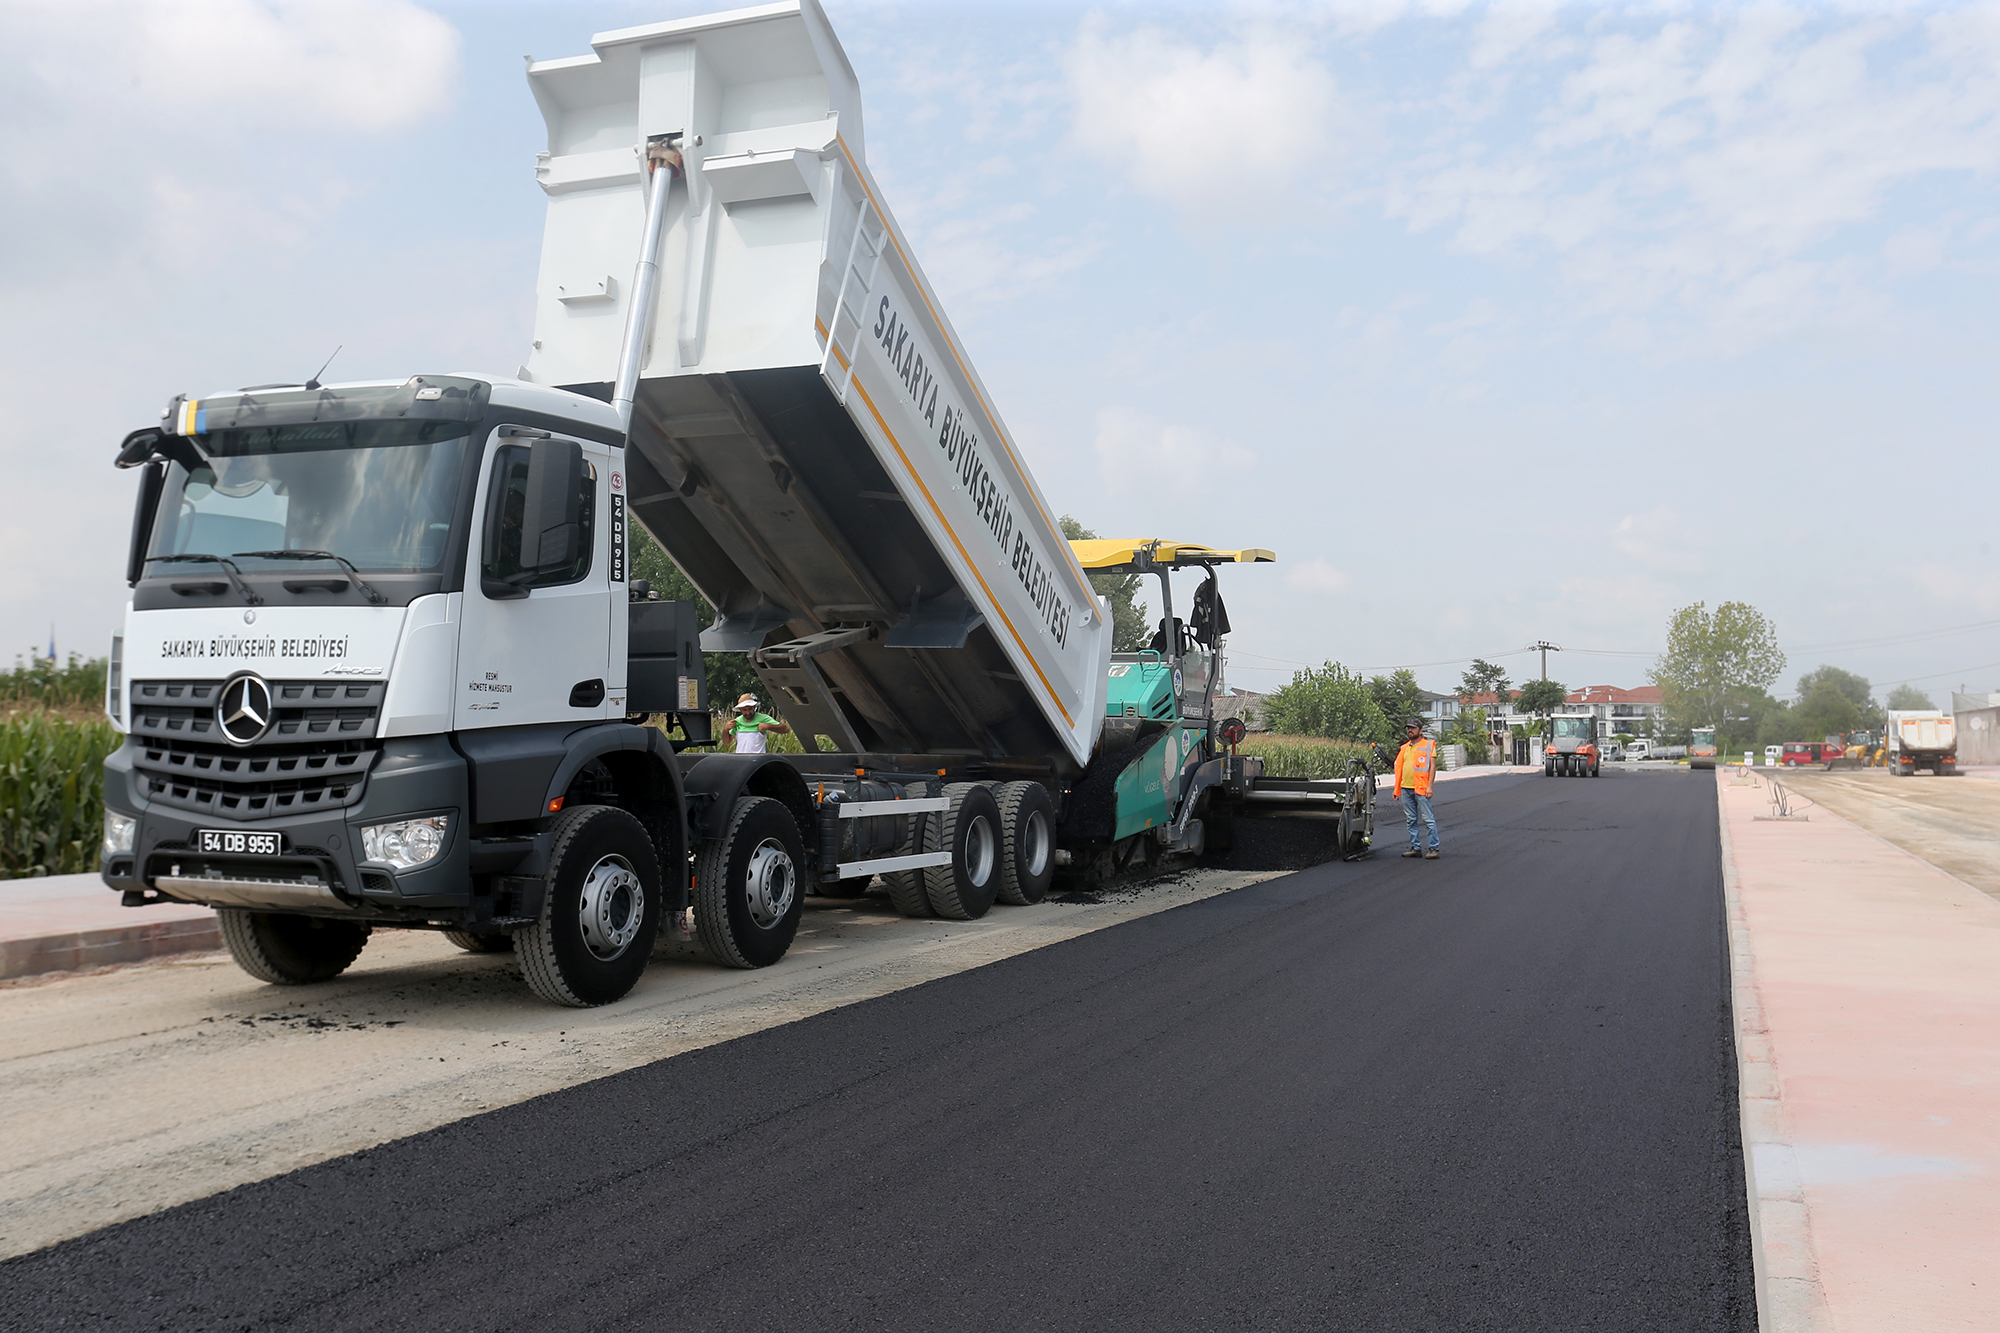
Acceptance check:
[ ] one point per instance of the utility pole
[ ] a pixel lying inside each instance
(1546, 648)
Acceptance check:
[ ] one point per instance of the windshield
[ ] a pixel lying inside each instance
(1572, 728)
(378, 493)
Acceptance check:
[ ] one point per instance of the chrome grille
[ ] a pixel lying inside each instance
(301, 710)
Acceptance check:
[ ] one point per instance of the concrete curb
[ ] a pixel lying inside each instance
(1790, 1298)
(76, 950)
(71, 923)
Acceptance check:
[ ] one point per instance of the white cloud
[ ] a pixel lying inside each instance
(1139, 455)
(361, 64)
(1316, 576)
(1695, 166)
(1216, 133)
(1660, 539)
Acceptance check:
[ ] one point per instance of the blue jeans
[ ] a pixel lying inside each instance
(1415, 807)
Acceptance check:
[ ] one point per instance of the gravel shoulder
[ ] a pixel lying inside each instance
(131, 1090)
(1953, 823)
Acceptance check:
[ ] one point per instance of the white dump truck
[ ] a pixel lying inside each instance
(383, 665)
(1917, 739)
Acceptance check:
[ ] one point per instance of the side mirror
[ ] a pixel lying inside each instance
(552, 516)
(139, 447)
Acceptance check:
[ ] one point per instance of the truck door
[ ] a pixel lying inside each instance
(535, 643)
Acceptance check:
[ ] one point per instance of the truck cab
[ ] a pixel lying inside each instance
(379, 635)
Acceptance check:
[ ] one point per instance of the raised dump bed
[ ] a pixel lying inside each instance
(809, 441)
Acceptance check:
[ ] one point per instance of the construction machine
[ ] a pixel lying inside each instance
(1569, 748)
(382, 666)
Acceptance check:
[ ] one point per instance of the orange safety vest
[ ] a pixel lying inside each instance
(1415, 764)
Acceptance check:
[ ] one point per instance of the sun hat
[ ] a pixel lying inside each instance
(747, 701)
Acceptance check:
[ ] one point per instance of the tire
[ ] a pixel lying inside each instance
(482, 941)
(1027, 842)
(289, 950)
(964, 888)
(906, 887)
(749, 885)
(601, 912)
(1548, 768)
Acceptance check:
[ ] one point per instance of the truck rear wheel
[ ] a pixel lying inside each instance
(1028, 842)
(289, 950)
(481, 941)
(749, 889)
(969, 829)
(906, 887)
(600, 913)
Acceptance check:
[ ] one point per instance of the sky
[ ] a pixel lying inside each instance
(1498, 323)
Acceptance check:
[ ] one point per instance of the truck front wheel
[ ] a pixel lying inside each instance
(748, 885)
(288, 950)
(600, 913)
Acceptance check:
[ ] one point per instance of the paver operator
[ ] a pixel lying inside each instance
(1416, 765)
(749, 726)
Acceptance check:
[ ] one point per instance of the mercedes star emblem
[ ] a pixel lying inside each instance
(244, 711)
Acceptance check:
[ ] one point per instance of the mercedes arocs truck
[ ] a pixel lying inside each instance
(383, 665)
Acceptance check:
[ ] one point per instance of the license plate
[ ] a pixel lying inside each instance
(229, 842)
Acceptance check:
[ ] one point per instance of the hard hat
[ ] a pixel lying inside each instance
(747, 701)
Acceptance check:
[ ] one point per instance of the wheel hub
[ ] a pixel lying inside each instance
(980, 846)
(1035, 844)
(614, 907)
(770, 883)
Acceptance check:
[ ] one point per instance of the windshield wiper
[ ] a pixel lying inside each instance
(228, 567)
(352, 573)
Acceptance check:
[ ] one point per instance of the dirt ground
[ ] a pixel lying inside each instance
(1953, 823)
(137, 1088)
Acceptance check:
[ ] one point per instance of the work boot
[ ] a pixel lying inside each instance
(1413, 852)
(1431, 855)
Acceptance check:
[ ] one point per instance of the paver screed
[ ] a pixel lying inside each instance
(1867, 987)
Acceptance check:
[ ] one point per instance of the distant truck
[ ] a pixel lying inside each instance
(1922, 739)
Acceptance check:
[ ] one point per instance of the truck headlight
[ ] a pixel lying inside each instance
(407, 843)
(118, 831)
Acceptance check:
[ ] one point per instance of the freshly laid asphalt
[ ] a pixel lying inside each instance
(1495, 1091)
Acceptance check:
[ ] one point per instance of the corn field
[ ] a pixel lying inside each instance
(1303, 756)
(51, 792)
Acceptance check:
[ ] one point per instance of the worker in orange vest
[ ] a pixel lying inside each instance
(1416, 766)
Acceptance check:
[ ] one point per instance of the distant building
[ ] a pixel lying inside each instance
(1623, 711)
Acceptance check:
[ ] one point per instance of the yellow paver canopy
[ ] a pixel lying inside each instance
(1103, 554)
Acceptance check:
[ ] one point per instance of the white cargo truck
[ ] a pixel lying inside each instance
(1923, 738)
(383, 665)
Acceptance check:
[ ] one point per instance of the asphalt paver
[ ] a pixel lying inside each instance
(1494, 1091)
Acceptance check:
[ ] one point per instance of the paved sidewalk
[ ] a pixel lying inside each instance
(65, 923)
(1867, 996)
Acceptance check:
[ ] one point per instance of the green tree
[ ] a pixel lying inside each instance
(730, 675)
(1398, 696)
(1482, 677)
(1469, 729)
(1330, 701)
(1855, 688)
(1910, 699)
(1825, 710)
(1541, 697)
(1715, 663)
(1129, 630)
